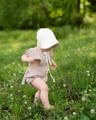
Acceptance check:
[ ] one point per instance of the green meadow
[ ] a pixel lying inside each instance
(74, 91)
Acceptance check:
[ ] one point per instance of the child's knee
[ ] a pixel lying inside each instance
(45, 88)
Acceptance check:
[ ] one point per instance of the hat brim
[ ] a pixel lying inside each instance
(47, 46)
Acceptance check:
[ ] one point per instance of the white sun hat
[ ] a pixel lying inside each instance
(46, 38)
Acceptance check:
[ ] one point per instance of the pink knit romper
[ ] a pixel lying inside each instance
(37, 68)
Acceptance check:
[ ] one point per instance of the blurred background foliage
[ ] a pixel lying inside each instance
(31, 14)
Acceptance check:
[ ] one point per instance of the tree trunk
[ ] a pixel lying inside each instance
(78, 6)
(84, 8)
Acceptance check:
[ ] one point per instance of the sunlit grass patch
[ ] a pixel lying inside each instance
(73, 93)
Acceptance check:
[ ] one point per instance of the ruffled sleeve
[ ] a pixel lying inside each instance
(35, 53)
(27, 52)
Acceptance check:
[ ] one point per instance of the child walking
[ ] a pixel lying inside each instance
(39, 61)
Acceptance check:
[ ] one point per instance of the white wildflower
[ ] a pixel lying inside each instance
(72, 101)
(14, 74)
(85, 91)
(25, 102)
(11, 95)
(65, 118)
(64, 85)
(83, 98)
(24, 96)
(78, 49)
(2, 88)
(18, 90)
(29, 108)
(86, 95)
(11, 86)
(12, 98)
(13, 63)
(74, 113)
(88, 74)
(90, 90)
(92, 111)
(87, 71)
(18, 64)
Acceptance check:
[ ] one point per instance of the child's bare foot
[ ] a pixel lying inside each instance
(50, 107)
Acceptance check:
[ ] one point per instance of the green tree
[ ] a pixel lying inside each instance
(92, 5)
(13, 13)
(22, 14)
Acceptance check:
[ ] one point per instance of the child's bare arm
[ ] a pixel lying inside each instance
(25, 58)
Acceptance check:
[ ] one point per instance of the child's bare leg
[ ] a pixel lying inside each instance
(37, 96)
(40, 84)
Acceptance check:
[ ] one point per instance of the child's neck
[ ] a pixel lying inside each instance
(45, 50)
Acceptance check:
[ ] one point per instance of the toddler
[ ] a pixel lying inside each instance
(39, 60)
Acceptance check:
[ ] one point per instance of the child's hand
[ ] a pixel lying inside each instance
(30, 59)
(54, 66)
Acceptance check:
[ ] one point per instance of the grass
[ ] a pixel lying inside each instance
(73, 93)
